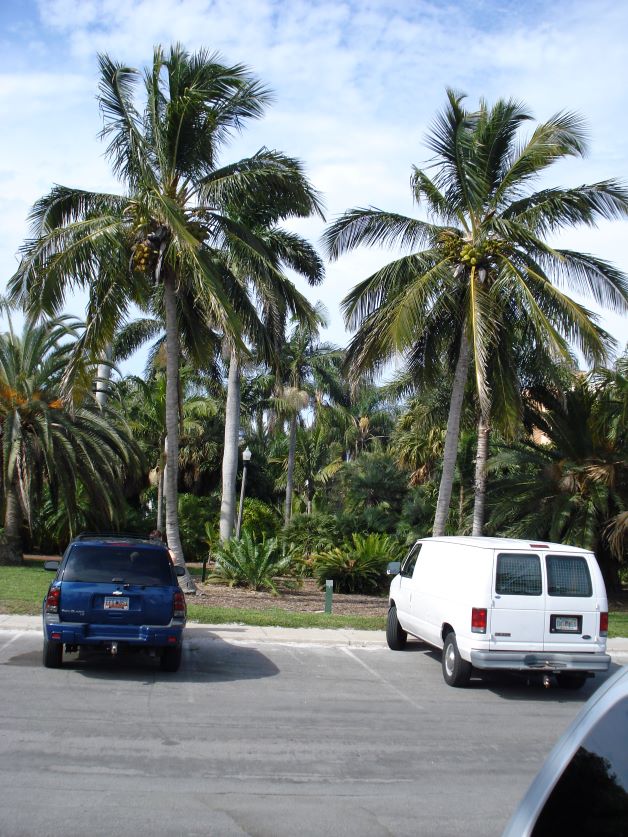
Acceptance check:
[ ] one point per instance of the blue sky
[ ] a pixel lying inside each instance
(356, 86)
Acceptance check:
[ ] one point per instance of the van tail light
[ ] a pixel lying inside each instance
(604, 624)
(178, 605)
(478, 620)
(52, 600)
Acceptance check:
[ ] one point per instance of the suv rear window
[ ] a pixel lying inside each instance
(518, 574)
(124, 564)
(568, 575)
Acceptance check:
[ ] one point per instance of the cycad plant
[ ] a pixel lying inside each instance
(359, 565)
(249, 563)
(481, 264)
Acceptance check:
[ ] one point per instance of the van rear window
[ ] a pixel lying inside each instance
(568, 575)
(518, 574)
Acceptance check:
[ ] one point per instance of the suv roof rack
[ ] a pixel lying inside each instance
(88, 535)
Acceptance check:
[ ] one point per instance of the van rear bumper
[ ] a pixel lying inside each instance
(538, 661)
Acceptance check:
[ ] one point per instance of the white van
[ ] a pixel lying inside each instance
(501, 603)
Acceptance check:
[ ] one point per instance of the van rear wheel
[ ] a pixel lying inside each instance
(395, 634)
(571, 681)
(456, 671)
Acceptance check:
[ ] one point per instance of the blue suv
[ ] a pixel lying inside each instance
(115, 593)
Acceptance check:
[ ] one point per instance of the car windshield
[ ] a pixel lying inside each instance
(126, 564)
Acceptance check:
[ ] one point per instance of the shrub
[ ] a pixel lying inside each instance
(249, 563)
(359, 565)
(309, 534)
(194, 513)
(259, 519)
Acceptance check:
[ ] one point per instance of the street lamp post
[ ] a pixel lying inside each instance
(246, 458)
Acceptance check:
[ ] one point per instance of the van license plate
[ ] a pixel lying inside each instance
(116, 602)
(567, 623)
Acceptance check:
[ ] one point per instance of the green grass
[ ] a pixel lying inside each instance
(282, 618)
(22, 590)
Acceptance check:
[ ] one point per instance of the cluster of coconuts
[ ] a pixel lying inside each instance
(144, 256)
(477, 254)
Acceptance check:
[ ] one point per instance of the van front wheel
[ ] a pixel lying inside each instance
(456, 671)
(395, 634)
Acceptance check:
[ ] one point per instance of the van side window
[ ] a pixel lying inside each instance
(407, 568)
(591, 796)
(518, 574)
(568, 575)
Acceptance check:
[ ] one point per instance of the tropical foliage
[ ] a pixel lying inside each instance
(359, 564)
(249, 563)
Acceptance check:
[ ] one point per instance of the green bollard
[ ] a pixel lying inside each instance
(329, 589)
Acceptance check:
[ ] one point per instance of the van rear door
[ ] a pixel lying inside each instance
(573, 611)
(518, 602)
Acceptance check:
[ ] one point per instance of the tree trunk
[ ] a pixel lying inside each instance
(103, 378)
(172, 429)
(230, 450)
(451, 438)
(292, 446)
(481, 458)
(160, 490)
(12, 528)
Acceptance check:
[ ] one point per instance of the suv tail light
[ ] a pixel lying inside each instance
(604, 624)
(478, 620)
(178, 605)
(52, 600)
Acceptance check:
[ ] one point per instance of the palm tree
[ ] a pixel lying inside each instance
(78, 451)
(309, 372)
(277, 297)
(572, 484)
(160, 243)
(481, 262)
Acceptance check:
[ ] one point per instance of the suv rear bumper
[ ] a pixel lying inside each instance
(539, 661)
(84, 633)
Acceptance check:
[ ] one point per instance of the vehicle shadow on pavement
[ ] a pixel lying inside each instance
(206, 660)
(513, 686)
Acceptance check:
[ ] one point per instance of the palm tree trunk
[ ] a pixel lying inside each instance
(103, 374)
(292, 446)
(172, 429)
(12, 527)
(481, 458)
(451, 438)
(160, 491)
(230, 450)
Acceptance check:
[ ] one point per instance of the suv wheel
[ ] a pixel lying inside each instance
(456, 671)
(171, 658)
(395, 634)
(53, 654)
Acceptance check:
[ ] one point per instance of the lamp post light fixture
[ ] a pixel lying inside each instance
(246, 458)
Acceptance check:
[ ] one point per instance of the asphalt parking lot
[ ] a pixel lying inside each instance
(265, 736)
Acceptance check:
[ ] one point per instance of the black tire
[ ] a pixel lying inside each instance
(571, 681)
(395, 634)
(53, 654)
(171, 658)
(456, 671)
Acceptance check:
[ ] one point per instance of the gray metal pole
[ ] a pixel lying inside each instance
(239, 523)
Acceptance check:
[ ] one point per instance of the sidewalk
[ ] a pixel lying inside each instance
(617, 648)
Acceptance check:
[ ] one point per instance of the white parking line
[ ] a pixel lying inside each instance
(13, 638)
(376, 674)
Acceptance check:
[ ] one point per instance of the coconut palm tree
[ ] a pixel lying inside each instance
(160, 243)
(482, 260)
(77, 450)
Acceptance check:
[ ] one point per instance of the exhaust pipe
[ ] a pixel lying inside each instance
(114, 649)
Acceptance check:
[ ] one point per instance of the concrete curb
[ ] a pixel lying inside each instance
(617, 648)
